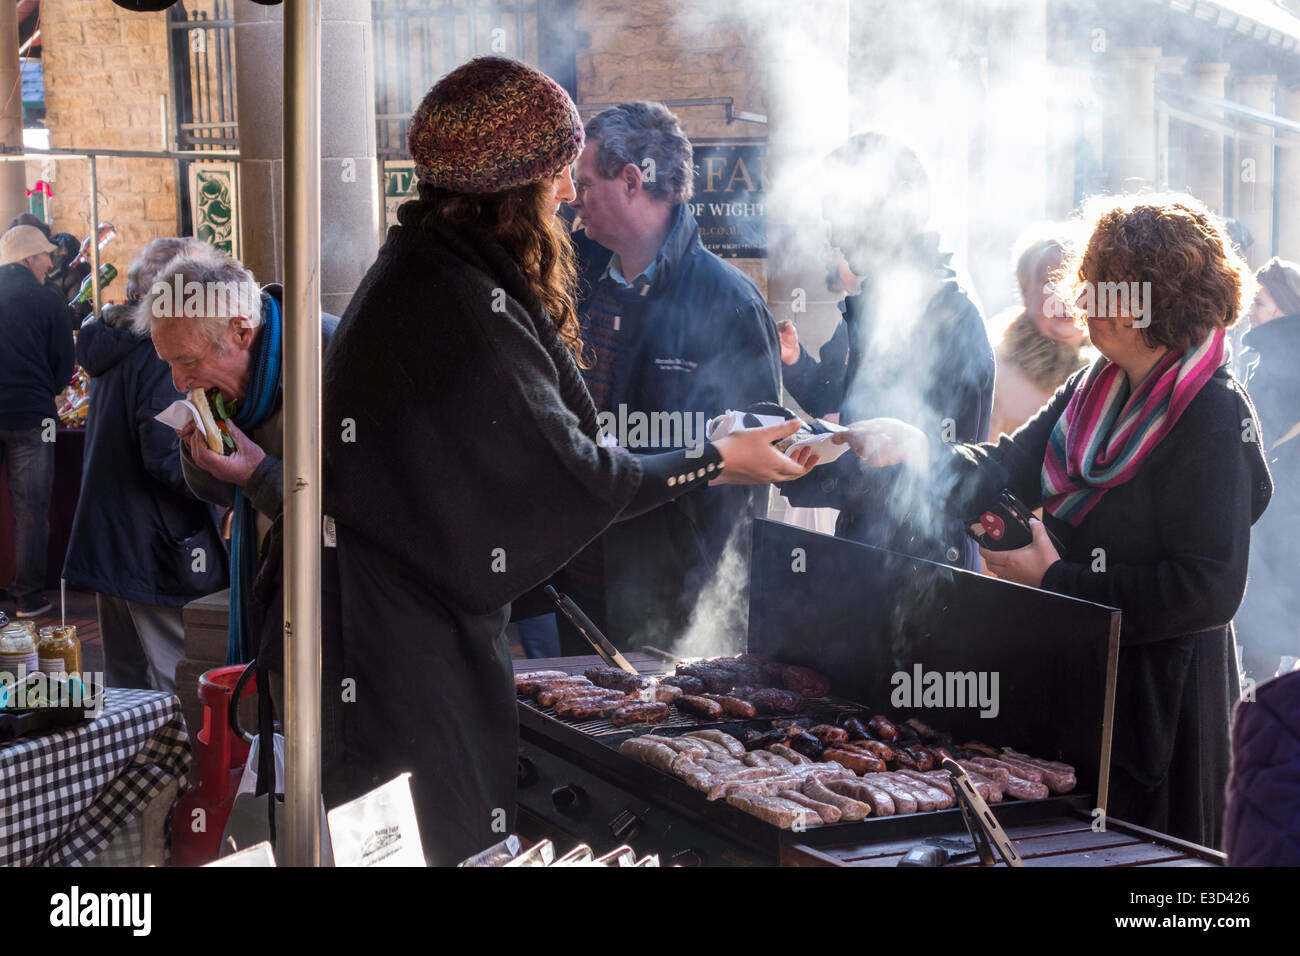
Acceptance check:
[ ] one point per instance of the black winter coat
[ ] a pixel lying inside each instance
(472, 474)
(1169, 549)
(698, 342)
(35, 349)
(1262, 827)
(912, 346)
(1269, 620)
(138, 527)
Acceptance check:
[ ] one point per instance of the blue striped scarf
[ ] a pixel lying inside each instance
(258, 405)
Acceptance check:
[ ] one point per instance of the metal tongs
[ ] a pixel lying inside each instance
(608, 652)
(984, 828)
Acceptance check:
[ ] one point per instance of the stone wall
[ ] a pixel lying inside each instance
(666, 50)
(105, 71)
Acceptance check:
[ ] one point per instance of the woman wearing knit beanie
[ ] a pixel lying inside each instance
(462, 461)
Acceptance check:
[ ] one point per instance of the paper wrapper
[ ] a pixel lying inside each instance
(827, 451)
(179, 414)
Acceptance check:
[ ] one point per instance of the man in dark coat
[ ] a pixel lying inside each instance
(140, 540)
(673, 334)
(36, 362)
(911, 346)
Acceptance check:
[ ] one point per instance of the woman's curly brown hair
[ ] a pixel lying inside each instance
(523, 220)
(1198, 281)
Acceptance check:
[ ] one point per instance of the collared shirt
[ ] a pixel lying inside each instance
(615, 271)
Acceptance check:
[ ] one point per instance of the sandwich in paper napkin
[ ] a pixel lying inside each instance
(827, 451)
(179, 414)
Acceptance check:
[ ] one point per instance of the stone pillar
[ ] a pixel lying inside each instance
(1170, 141)
(13, 176)
(1288, 178)
(350, 204)
(1254, 173)
(798, 137)
(1129, 148)
(1204, 178)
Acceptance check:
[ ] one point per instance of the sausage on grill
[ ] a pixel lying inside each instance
(700, 706)
(850, 810)
(734, 746)
(857, 762)
(882, 728)
(639, 713)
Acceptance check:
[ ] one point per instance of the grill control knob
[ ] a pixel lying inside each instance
(526, 773)
(688, 858)
(625, 826)
(571, 799)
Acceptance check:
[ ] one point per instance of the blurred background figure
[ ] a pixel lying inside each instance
(912, 345)
(140, 540)
(1269, 619)
(1040, 346)
(35, 363)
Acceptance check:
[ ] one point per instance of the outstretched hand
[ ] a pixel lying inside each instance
(750, 459)
(881, 442)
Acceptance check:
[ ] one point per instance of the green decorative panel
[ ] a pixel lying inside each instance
(214, 198)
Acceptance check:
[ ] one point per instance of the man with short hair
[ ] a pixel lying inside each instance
(141, 540)
(36, 361)
(670, 330)
(217, 330)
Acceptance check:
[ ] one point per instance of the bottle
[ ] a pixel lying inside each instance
(59, 651)
(18, 656)
(107, 273)
(106, 233)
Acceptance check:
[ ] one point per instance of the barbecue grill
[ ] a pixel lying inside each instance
(860, 615)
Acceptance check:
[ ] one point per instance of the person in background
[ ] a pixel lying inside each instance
(823, 393)
(36, 361)
(912, 345)
(1150, 476)
(1269, 620)
(1039, 346)
(668, 327)
(140, 540)
(1261, 826)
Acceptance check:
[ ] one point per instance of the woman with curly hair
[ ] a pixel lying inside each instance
(462, 465)
(1149, 470)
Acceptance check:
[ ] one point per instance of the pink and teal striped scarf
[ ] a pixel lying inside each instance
(1106, 433)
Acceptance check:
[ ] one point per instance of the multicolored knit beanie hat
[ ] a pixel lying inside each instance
(491, 125)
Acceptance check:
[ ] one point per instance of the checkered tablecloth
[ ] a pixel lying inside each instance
(64, 795)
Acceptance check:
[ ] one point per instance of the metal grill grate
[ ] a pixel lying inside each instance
(820, 710)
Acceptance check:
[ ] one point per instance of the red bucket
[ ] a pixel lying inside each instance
(201, 814)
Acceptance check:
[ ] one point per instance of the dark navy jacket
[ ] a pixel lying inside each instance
(137, 524)
(1262, 823)
(35, 349)
(912, 346)
(699, 341)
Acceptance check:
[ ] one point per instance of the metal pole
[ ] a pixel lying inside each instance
(302, 402)
(94, 239)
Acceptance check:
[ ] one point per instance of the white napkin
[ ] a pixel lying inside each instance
(179, 414)
(827, 451)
